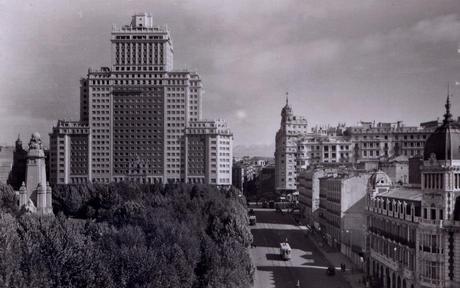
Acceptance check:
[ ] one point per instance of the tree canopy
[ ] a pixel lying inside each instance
(127, 235)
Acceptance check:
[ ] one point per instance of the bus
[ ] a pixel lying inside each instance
(285, 251)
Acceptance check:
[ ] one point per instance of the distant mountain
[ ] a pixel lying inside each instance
(254, 150)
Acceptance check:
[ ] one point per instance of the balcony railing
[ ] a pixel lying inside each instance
(392, 237)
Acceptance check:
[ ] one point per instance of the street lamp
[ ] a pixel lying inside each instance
(350, 242)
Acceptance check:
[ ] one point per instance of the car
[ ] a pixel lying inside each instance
(330, 270)
(271, 204)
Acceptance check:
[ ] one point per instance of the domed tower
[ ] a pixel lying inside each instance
(292, 128)
(441, 170)
(379, 182)
(439, 227)
(286, 111)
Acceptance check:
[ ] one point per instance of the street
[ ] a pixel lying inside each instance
(307, 265)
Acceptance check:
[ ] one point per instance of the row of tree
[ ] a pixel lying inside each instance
(127, 235)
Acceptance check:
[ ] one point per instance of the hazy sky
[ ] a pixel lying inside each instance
(341, 61)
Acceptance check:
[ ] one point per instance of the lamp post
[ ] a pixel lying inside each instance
(394, 254)
(350, 242)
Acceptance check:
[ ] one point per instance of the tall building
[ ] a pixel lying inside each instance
(138, 108)
(291, 129)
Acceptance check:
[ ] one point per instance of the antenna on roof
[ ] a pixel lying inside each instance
(287, 98)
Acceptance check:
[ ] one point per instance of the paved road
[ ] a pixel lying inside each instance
(307, 264)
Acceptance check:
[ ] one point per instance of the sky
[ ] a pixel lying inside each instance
(340, 61)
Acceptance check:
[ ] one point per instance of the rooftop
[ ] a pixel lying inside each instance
(403, 193)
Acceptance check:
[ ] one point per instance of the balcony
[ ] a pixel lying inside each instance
(391, 237)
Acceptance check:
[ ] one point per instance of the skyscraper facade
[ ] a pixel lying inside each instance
(139, 107)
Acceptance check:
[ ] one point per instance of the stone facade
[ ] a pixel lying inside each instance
(414, 234)
(35, 194)
(291, 129)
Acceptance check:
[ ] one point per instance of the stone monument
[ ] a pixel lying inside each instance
(35, 194)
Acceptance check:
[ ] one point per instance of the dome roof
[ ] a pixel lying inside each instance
(378, 178)
(444, 142)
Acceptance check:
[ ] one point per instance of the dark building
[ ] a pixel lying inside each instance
(18, 171)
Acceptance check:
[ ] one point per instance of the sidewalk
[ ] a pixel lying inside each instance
(353, 274)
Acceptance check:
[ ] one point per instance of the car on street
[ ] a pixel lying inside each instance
(330, 270)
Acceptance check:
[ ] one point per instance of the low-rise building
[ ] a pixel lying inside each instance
(246, 171)
(397, 168)
(322, 149)
(308, 187)
(70, 153)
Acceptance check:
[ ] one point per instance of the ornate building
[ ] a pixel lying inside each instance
(414, 234)
(367, 146)
(291, 129)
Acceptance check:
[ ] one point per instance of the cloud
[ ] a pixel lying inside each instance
(334, 57)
